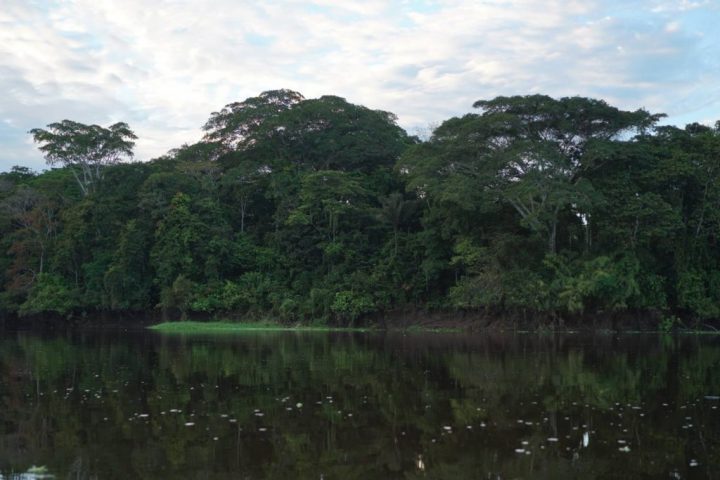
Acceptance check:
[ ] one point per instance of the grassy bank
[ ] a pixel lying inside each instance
(190, 327)
(233, 327)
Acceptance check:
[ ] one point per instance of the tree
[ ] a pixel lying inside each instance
(328, 195)
(530, 152)
(49, 294)
(179, 239)
(85, 149)
(394, 211)
(242, 183)
(235, 127)
(34, 218)
(281, 128)
(128, 281)
(329, 133)
(539, 145)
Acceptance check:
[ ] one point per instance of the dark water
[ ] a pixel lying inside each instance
(123, 405)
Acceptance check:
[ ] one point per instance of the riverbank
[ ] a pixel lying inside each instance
(193, 327)
(189, 327)
(416, 319)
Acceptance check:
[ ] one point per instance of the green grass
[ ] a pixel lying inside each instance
(238, 327)
(227, 327)
(189, 327)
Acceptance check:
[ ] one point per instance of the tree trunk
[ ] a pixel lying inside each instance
(395, 238)
(553, 230)
(242, 215)
(552, 238)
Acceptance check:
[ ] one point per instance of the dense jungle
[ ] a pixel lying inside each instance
(321, 211)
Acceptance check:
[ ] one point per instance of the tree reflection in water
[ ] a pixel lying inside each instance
(302, 405)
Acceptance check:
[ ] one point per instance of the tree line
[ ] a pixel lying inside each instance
(322, 210)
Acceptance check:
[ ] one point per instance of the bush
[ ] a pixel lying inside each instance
(179, 295)
(50, 293)
(697, 292)
(350, 306)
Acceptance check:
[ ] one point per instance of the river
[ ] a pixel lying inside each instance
(116, 404)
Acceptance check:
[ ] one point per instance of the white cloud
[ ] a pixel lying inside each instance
(164, 69)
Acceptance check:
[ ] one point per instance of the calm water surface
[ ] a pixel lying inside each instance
(124, 405)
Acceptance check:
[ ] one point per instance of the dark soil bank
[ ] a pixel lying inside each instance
(480, 320)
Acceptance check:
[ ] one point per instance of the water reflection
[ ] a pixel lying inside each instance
(291, 405)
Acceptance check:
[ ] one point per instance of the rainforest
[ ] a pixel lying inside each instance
(319, 211)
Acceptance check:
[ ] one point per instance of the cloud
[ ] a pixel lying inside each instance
(164, 69)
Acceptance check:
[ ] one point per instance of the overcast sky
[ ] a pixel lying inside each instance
(164, 66)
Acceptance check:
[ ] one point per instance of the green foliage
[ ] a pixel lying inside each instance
(250, 292)
(127, 280)
(350, 306)
(668, 323)
(699, 292)
(50, 293)
(86, 149)
(321, 210)
(598, 281)
(178, 239)
(178, 295)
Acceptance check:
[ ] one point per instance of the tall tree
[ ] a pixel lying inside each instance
(34, 218)
(236, 126)
(86, 149)
(530, 152)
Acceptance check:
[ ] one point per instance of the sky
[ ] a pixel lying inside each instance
(163, 69)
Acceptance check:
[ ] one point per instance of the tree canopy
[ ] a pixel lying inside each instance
(320, 209)
(85, 149)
